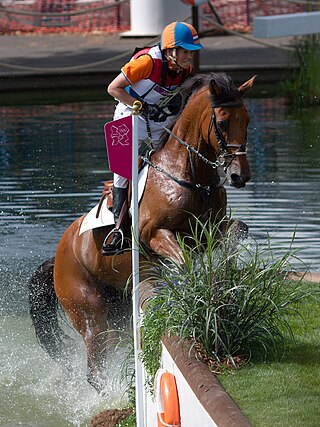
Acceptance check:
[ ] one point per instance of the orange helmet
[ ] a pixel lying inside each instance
(180, 34)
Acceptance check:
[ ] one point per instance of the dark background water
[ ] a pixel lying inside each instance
(52, 166)
(282, 197)
(53, 162)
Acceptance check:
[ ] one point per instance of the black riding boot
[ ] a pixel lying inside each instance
(117, 237)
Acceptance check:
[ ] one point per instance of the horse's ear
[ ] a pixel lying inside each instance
(247, 85)
(215, 90)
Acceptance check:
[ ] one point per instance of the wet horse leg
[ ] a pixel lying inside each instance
(235, 229)
(92, 324)
(165, 244)
(86, 307)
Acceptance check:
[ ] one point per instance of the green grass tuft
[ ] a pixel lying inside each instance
(129, 421)
(231, 300)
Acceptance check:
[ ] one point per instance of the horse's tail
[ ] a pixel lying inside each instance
(43, 308)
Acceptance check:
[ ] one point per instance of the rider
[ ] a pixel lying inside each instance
(153, 76)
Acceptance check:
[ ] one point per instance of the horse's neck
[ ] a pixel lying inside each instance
(174, 153)
(175, 159)
(188, 128)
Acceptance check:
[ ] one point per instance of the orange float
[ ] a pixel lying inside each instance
(167, 398)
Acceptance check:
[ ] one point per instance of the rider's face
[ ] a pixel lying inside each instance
(183, 58)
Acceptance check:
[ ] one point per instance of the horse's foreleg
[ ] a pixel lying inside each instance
(235, 229)
(165, 244)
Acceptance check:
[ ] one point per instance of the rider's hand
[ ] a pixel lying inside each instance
(151, 111)
(174, 105)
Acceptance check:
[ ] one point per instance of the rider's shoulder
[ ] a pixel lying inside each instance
(138, 69)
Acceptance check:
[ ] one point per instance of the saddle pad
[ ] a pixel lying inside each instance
(90, 221)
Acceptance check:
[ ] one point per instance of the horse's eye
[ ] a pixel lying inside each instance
(223, 125)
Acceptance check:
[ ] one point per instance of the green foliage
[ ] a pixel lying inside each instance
(230, 299)
(303, 87)
(286, 393)
(128, 422)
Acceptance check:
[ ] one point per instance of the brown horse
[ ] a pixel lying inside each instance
(183, 183)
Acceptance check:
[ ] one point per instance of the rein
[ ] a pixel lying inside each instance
(193, 150)
(207, 190)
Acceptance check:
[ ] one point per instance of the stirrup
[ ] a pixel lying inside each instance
(113, 247)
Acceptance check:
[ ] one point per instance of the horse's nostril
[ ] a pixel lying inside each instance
(234, 177)
(237, 181)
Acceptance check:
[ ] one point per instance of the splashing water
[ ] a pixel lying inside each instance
(37, 390)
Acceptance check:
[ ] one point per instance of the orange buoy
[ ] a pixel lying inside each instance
(167, 400)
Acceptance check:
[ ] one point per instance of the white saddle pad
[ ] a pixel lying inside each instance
(105, 217)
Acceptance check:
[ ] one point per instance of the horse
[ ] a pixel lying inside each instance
(183, 183)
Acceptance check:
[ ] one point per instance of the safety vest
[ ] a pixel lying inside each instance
(160, 83)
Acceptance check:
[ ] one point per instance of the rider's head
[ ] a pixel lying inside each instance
(179, 40)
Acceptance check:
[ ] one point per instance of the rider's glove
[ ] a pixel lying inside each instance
(174, 105)
(153, 112)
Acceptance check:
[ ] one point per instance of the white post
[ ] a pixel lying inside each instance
(149, 17)
(140, 416)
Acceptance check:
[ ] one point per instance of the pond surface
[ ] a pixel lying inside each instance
(52, 167)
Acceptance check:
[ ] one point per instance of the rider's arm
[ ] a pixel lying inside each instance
(131, 73)
(117, 89)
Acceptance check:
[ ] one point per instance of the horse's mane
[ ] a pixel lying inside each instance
(222, 80)
(197, 82)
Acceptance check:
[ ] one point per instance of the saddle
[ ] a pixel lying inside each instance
(108, 199)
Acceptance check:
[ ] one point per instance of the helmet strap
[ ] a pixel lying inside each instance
(173, 58)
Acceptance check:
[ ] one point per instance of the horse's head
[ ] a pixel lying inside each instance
(228, 124)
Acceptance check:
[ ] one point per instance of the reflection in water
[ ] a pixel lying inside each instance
(52, 165)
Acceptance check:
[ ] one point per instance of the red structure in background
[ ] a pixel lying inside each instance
(73, 16)
(84, 16)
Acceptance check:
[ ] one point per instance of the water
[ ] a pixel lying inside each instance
(52, 164)
(281, 200)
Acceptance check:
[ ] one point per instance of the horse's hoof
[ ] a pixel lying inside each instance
(239, 229)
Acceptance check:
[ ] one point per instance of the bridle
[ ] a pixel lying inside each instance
(224, 154)
(224, 158)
